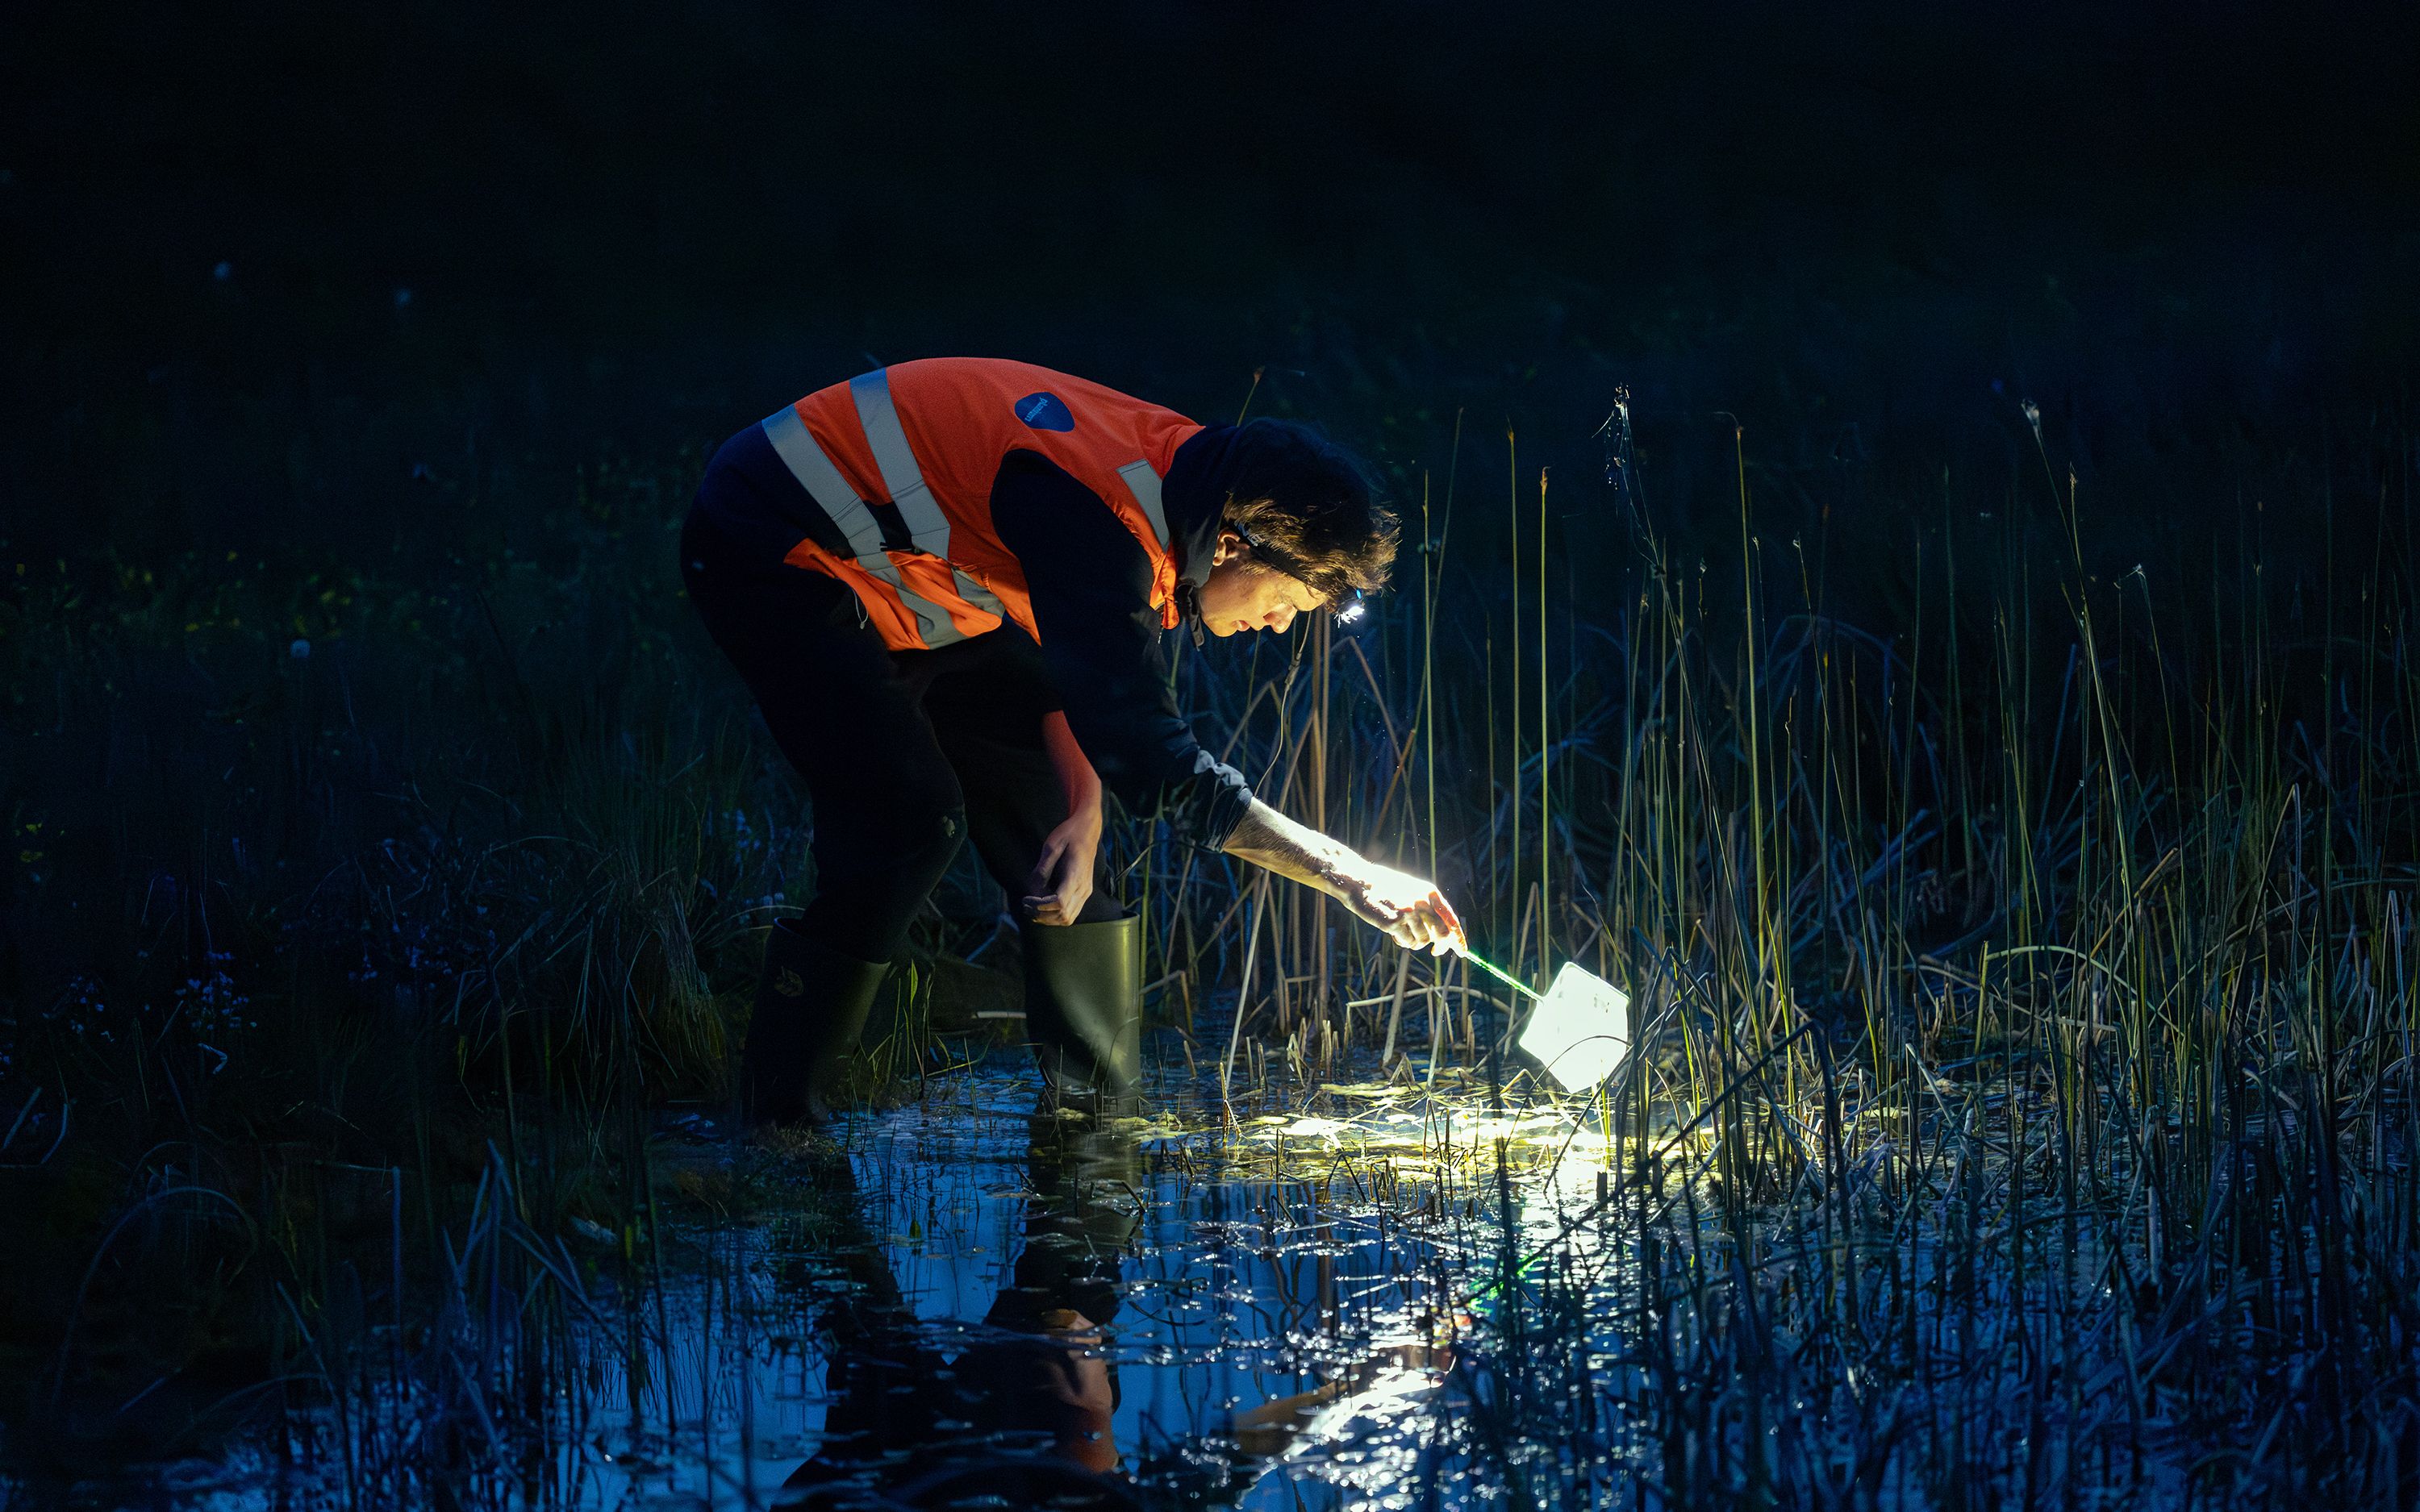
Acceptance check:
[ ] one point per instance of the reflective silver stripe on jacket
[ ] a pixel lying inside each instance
(928, 525)
(1143, 484)
(849, 515)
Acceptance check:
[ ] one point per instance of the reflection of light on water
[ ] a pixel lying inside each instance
(1322, 1267)
(1367, 1441)
(1442, 1128)
(1407, 1131)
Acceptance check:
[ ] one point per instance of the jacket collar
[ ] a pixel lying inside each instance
(1194, 496)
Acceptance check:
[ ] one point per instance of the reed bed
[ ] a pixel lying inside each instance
(2037, 979)
(2023, 1112)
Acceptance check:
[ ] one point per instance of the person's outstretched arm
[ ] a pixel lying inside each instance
(1090, 584)
(1408, 908)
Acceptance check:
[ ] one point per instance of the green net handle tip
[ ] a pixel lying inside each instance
(1502, 975)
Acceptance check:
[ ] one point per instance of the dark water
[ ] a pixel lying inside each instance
(1008, 1310)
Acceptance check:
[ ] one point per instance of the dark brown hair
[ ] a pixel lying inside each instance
(1309, 508)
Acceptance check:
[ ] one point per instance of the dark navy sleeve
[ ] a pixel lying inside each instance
(1091, 584)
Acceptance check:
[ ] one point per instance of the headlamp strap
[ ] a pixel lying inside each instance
(1286, 561)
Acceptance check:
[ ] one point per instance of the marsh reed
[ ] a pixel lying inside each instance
(2039, 976)
(2032, 978)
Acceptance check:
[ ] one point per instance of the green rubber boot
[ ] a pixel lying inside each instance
(812, 1004)
(1083, 1011)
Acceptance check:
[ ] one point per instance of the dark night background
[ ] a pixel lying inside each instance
(357, 363)
(462, 242)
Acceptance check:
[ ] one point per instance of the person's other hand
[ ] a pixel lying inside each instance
(1410, 909)
(1062, 881)
(1066, 1386)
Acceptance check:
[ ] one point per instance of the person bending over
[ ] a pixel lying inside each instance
(945, 582)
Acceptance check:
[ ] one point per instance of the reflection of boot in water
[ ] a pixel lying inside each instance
(1020, 1418)
(1044, 1366)
(1083, 1009)
(1077, 1225)
(879, 1368)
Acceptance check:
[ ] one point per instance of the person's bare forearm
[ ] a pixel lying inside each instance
(1408, 908)
(1268, 838)
(1077, 778)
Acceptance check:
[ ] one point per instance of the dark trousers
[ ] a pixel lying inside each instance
(905, 754)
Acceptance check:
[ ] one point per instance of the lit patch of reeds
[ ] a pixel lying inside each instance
(2035, 983)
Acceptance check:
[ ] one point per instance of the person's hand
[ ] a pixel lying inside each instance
(1056, 1379)
(1061, 881)
(1410, 909)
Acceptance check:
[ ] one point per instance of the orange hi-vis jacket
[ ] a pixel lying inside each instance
(902, 460)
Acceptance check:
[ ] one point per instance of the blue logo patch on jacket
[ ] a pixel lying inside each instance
(1042, 411)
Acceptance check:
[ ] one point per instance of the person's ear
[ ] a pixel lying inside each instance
(1229, 546)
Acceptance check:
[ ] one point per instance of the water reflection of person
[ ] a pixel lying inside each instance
(1019, 1409)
